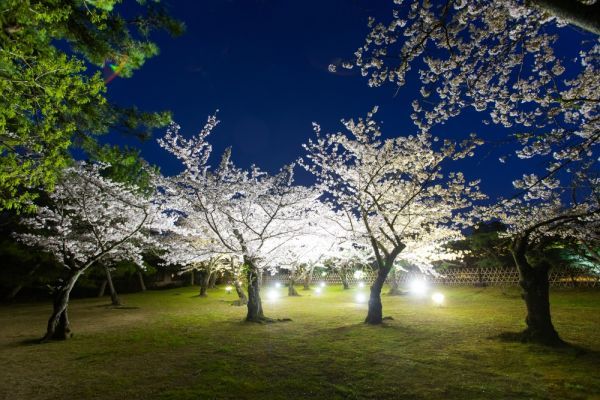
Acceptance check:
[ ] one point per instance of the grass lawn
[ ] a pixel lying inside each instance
(175, 345)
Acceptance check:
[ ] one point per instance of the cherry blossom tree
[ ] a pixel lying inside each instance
(535, 223)
(391, 191)
(249, 213)
(499, 58)
(89, 219)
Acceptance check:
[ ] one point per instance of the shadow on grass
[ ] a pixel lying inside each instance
(562, 347)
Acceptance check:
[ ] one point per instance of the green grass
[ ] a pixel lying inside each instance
(175, 345)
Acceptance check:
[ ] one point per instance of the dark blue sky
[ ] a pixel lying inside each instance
(263, 64)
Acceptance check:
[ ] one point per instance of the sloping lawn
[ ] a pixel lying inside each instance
(175, 345)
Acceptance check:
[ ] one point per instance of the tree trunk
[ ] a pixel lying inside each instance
(213, 279)
(114, 297)
(573, 11)
(205, 282)
(102, 288)
(343, 273)
(536, 293)
(141, 279)
(242, 299)
(192, 273)
(255, 310)
(394, 289)
(291, 289)
(375, 313)
(308, 277)
(59, 327)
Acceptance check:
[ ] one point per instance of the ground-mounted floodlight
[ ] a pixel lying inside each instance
(322, 284)
(361, 285)
(360, 298)
(438, 298)
(228, 289)
(277, 285)
(318, 290)
(418, 287)
(272, 294)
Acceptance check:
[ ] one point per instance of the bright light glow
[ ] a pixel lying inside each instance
(228, 289)
(318, 290)
(361, 285)
(272, 294)
(322, 284)
(418, 287)
(360, 298)
(277, 285)
(323, 273)
(438, 298)
(358, 274)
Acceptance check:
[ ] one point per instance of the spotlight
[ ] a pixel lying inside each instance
(360, 298)
(361, 285)
(418, 287)
(228, 289)
(318, 290)
(277, 285)
(438, 298)
(322, 284)
(272, 294)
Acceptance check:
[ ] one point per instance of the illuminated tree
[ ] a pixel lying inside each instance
(499, 58)
(391, 191)
(248, 213)
(50, 96)
(90, 220)
(535, 224)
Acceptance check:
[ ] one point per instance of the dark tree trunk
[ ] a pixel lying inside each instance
(205, 282)
(141, 280)
(242, 299)
(192, 273)
(114, 296)
(343, 273)
(375, 313)
(393, 279)
(59, 327)
(573, 11)
(291, 289)
(13, 293)
(308, 277)
(213, 279)
(255, 310)
(536, 293)
(102, 288)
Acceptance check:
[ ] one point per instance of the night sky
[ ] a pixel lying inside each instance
(263, 64)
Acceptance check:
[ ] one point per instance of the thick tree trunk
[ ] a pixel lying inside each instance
(205, 282)
(573, 11)
(102, 288)
(58, 326)
(536, 293)
(242, 299)
(393, 279)
(255, 310)
(375, 313)
(141, 280)
(114, 296)
(308, 277)
(291, 289)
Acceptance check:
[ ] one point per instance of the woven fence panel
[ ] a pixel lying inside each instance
(456, 277)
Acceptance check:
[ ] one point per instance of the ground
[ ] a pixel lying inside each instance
(175, 345)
